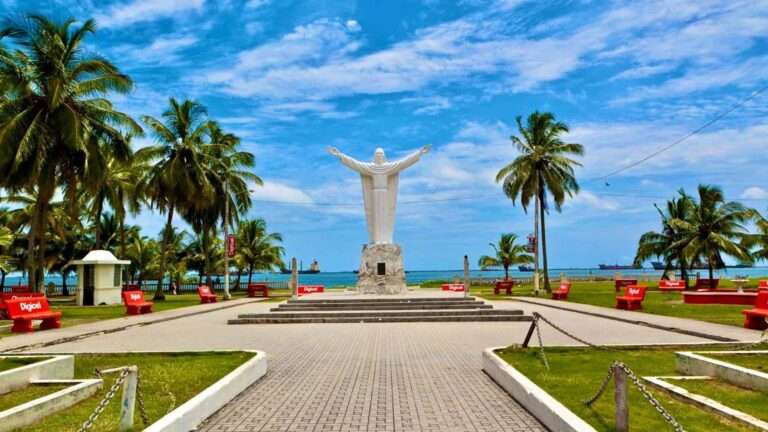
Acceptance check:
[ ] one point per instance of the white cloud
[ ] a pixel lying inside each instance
(136, 11)
(162, 51)
(255, 4)
(429, 105)
(754, 192)
(280, 192)
(353, 25)
(587, 198)
(290, 111)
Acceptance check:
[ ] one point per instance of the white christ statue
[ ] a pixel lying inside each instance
(380, 179)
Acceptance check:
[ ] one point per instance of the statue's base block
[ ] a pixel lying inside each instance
(381, 270)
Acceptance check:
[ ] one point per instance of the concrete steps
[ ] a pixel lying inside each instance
(408, 309)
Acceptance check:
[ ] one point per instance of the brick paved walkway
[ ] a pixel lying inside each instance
(378, 379)
(365, 377)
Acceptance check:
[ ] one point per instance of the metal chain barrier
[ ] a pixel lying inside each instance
(669, 418)
(537, 316)
(88, 423)
(140, 401)
(538, 336)
(601, 390)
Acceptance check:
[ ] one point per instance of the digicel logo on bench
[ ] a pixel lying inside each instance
(30, 307)
(135, 296)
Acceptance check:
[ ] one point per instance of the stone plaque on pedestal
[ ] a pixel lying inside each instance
(381, 270)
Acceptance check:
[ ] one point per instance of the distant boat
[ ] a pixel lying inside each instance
(525, 268)
(618, 267)
(313, 269)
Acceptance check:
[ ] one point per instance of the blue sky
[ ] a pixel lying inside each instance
(292, 77)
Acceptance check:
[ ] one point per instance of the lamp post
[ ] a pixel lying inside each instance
(227, 295)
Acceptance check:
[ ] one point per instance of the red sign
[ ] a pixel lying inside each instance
(310, 289)
(231, 245)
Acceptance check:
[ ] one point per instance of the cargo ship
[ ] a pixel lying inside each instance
(313, 268)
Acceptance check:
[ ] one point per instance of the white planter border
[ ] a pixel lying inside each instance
(37, 409)
(548, 410)
(660, 382)
(54, 367)
(697, 363)
(191, 413)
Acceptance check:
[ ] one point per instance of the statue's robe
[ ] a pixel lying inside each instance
(380, 182)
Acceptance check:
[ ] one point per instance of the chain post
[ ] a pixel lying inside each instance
(88, 423)
(128, 401)
(620, 398)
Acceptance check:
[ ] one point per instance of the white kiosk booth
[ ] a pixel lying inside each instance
(99, 278)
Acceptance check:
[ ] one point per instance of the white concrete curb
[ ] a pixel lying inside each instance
(551, 413)
(190, 414)
(55, 367)
(703, 401)
(694, 363)
(37, 409)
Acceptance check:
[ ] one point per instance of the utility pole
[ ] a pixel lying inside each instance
(227, 295)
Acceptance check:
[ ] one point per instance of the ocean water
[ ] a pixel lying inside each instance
(331, 279)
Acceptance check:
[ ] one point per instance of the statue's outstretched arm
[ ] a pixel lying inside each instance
(410, 159)
(352, 163)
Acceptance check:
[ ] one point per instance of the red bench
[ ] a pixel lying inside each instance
(621, 283)
(24, 310)
(10, 296)
(562, 292)
(707, 284)
(632, 299)
(254, 288)
(135, 303)
(668, 285)
(504, 285)
(755, 318)
(206, 295)
(762, 285)
(310, 289)
(452, 287)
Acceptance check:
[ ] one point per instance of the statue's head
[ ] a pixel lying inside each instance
(378, 156)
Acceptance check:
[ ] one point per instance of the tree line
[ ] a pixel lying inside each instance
(71, 174)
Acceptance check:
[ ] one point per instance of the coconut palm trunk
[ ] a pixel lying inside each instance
(207, 255)
(97, 223)
(166, 239)
(544, 262)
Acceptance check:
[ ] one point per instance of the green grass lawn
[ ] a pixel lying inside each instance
(576, 374)
(31, 392)
(749, 401)
(603, 294)
(758, 362)
(167, 381)
(14, 362)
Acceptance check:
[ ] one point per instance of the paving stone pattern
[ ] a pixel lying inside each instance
(375, 380)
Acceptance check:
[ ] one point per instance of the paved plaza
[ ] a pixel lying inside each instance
(369, 377)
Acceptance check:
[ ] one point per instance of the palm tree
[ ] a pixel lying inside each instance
(543, 169)
(713, 228)
(229, 177)
(758, 240)
(257, 248)
(507, 253)
(53, 114)
(115, 184)
(666, 244)
(179, 179)
(143, 252)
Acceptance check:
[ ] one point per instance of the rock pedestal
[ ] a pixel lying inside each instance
(381, 270)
